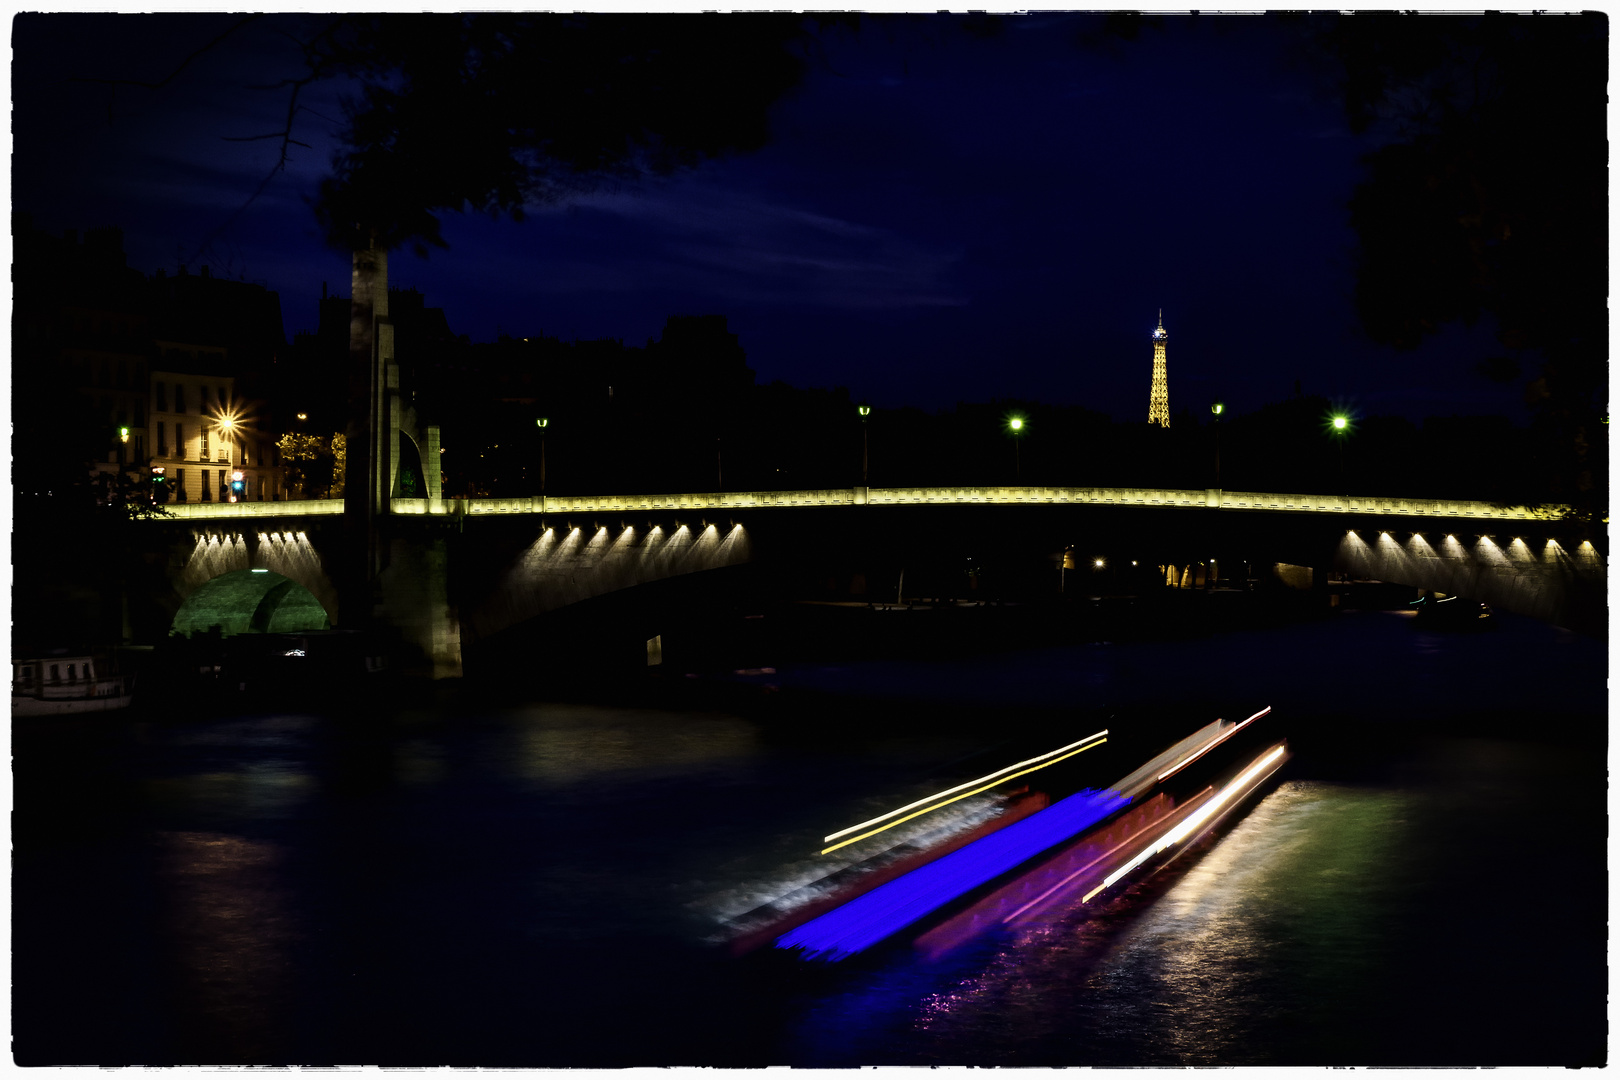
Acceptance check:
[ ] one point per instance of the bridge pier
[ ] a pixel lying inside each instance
(415, 603)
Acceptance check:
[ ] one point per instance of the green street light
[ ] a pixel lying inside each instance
(865, 410)
(1340, 424)
(1218, 408)
(1016, 426)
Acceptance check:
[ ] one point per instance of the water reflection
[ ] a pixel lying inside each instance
(563, 745)
(255, 790)
(1278, 930)
(231, 938)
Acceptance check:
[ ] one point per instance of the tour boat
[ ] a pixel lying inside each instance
(60, 685)
(1070, 851)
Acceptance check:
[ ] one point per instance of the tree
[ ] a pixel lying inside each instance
(492, 112)
(309, 461)
(1492, 201)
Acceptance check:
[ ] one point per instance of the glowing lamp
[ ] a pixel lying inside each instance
(303, 416)
(1217, 408)
(1340, 423)
(123, 434)
(865, 410)
(1016, 423)
(541, 421)
(1097, 563)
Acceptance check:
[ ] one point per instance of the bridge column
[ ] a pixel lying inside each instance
(415, 603)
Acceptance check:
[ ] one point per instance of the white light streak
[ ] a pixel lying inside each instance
(1194, 820)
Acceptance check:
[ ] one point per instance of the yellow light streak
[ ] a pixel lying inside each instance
(1193, 821)
(930, 803)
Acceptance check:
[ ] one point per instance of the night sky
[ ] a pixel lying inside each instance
(938, 218)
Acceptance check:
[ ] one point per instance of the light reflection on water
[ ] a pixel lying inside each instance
(1294, 897)
(262, 790)
(575, 744)
(536, 887)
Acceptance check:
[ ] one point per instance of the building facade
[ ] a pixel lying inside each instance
(204, 443)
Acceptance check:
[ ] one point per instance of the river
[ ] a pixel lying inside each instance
(471, 882)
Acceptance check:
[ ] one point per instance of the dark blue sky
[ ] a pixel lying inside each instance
(937, 218)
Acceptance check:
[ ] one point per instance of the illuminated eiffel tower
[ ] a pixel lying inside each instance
(1159, 396)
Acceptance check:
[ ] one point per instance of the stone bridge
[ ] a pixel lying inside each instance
(457, 572)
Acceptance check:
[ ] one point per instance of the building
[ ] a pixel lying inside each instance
(204, 442)
(1159, 393)
(115, 373)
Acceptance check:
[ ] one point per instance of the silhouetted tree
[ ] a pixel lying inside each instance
(1492, 201)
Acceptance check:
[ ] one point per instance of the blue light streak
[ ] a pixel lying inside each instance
(870, 918)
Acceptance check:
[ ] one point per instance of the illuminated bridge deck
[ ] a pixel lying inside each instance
(731, 501)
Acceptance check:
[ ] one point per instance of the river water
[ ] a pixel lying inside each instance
(549, 883)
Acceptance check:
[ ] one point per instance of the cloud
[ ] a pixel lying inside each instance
(703, 236)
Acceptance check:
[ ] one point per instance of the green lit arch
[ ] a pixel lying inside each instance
(250, 602)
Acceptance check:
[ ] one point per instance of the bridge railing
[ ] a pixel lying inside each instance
(1213, 498)
(729, 501)
(215, 511)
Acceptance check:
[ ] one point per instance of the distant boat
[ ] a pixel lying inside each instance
(61, 685)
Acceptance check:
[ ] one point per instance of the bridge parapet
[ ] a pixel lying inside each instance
(1214, 498)
(218, 511)
(731, 501)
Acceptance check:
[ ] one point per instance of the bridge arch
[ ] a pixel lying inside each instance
(280, 550)
(250, 602)
(566, 564)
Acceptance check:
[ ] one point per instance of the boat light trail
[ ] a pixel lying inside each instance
(1202, 814)
(959, 787)
(1222, 737)
(873, 916)
(929, 804)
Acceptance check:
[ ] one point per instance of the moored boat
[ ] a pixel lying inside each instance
(62, 685)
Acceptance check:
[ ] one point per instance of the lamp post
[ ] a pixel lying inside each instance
(224, 426)
(1217, 409)
(865, 410)
(1340, 425)
(1016, 426)
(541, 422)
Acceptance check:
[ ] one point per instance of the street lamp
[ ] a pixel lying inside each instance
(1339, 424)
(1217, 409)
(541, 422)
(865, 410)
(1016, 426)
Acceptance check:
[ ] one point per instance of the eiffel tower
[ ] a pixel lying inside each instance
(1159, 396)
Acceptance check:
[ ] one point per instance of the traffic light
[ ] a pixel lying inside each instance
(238, 485)
(160, 487)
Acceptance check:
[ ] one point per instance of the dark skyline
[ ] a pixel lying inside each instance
(940, 216)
